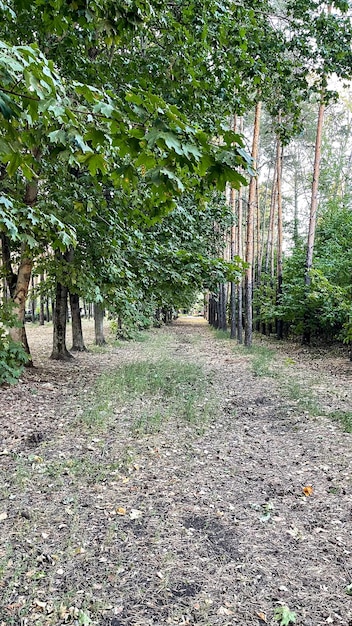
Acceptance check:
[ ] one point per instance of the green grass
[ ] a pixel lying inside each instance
(149, 423)
(222, 334)
(165, 388)
(345, 419)
(302, 396)
(262, 359)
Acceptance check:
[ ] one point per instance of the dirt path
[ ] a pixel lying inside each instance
(214, 522)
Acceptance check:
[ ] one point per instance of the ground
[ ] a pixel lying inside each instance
(178, 479)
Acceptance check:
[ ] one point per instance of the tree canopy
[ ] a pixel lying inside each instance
(117, 115)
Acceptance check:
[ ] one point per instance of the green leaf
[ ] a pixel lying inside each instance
(14, 162)
(172, 176)
(284, 615)
(96, 136)
(58, 136)
(96, 163)
(172, 142)
(7, 107)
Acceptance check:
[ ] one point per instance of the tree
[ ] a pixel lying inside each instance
(250, 233)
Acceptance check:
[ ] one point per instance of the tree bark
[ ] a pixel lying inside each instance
(42, 305)
(60, 352)
(99, 324)
(47, 309)
(19, 283)
(19, 297)
(240, 253)
(270, 237)
(279, 327)
(222, 307)
(250, 234)
(313, 216)
(233, 318)
(33, 301)
(77, 332)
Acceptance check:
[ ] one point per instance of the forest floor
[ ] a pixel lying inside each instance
(177, 480)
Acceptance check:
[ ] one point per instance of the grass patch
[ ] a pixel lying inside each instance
(222, 334)
(345, 419)
(82, 469)
(97, 415)
(262, 360)
(154, 392)
(149, 423)
(302, 396)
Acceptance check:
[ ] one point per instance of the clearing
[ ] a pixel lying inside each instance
(179, 479)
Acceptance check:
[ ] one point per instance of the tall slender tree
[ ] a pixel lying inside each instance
(250, 232)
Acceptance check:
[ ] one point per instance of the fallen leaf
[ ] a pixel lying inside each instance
(40, 604)
(63, 611)
(3, 516)
(222, 610)
(308, 490)
(262, 616)
(121, 511)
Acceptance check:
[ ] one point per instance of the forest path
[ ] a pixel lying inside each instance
(184, 501)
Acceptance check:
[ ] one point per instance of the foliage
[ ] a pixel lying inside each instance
(326, 305)
(12, 354)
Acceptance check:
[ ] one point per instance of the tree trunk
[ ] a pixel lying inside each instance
(250, 234)
(240, 253)
(60, 352)
(42, 305)
(99, 324)
(19, 297)
(270, 237)
(33, 301)
(313, 217)
(47, 309)
(279, 327)
(77, 332)
(19, 283)
(233, 318)
(296, 202)
(222, 307)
